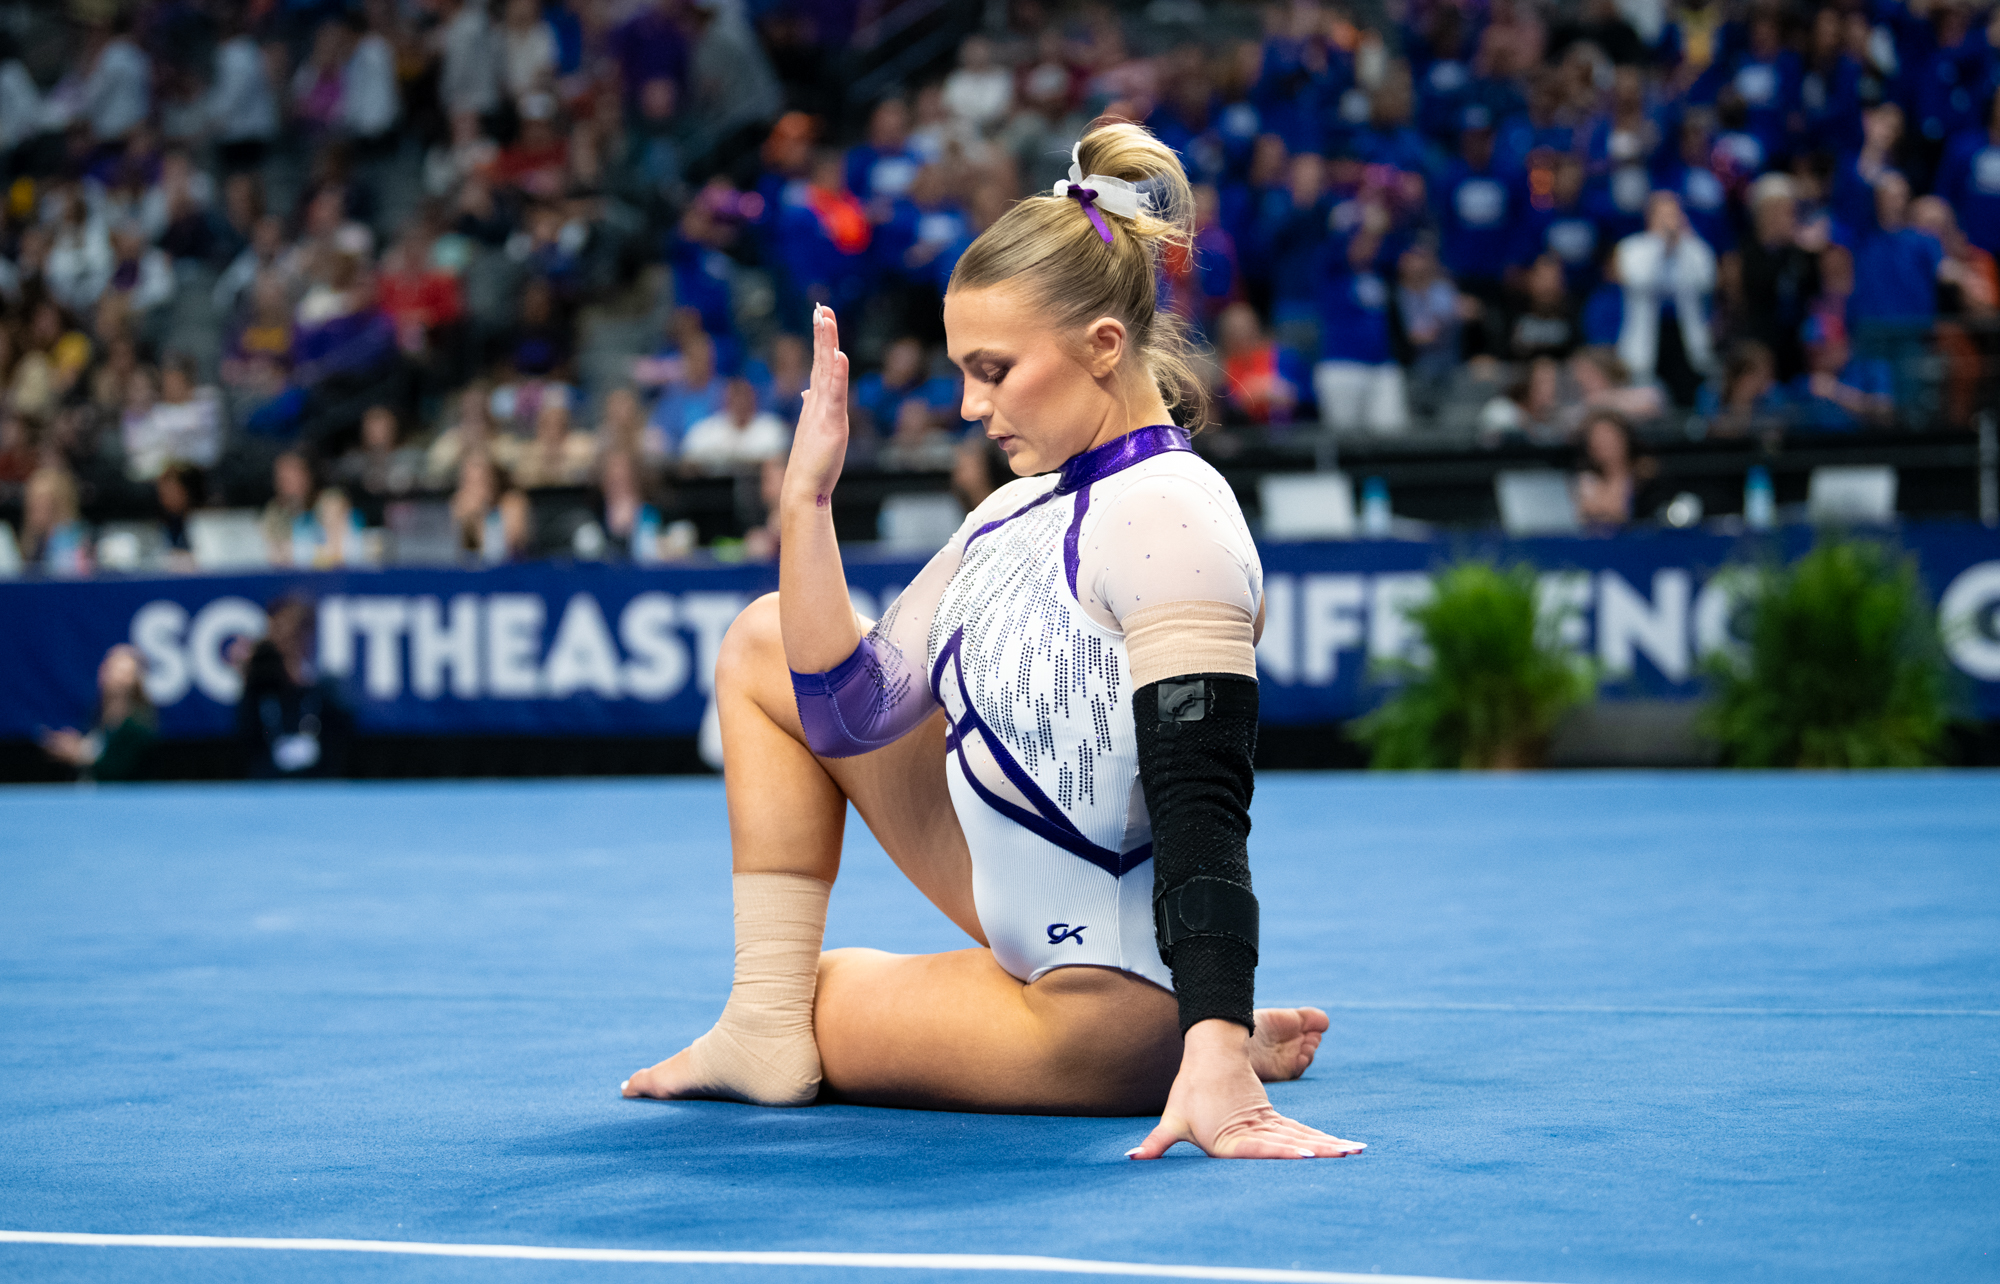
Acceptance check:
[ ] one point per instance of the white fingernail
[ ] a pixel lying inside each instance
(623, 1086)
(1305, 1154)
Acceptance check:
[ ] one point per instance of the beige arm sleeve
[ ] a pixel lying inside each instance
(1173, 638)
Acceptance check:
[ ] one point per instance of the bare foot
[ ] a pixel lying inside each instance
(666, 1081)
(1285, 1041)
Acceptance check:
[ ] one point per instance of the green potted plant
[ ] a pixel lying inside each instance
(1489, 685)
(1842, 666)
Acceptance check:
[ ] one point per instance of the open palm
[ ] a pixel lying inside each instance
(819, 446)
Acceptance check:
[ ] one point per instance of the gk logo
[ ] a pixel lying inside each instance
(1060, 932)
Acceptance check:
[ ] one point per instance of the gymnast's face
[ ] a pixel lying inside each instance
(1042, 395)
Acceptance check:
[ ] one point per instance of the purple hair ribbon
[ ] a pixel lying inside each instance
(1115, 194)
(1087, 197)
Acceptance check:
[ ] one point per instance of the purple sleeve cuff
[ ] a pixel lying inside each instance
(866, 701)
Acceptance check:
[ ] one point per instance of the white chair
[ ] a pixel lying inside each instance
(227, 539)
(130, 546)
(922, 523)
(1307, 505)
(1852, 494)
(421, 533)
(10, 552)
(1536, 502)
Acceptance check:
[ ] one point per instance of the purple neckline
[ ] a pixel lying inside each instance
(1099, 462)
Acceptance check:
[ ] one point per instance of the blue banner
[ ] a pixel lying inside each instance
(587, 649)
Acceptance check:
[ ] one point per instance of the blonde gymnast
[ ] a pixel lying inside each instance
(1050, 731)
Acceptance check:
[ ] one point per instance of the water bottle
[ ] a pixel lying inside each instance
(1375, 508)
(1759, 510)
(493, 539)
(646, 536)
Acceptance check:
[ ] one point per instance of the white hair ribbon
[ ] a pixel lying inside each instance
(1100, 191)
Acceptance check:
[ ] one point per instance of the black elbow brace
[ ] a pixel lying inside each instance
(1197, 739)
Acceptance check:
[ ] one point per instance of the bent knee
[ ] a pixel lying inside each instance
(753, 643)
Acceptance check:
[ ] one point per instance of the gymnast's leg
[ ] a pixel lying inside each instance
(946, 1030)
(787, 813)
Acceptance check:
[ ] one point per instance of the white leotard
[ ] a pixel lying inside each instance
(1016, 625)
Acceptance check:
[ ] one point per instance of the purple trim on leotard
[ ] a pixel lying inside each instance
(1099, 462)
(1047, 820)
(1071, 558)
(998, 522)
(1094, 465)
(855, 706)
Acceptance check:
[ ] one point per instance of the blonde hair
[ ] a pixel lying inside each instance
(1049, 246)
(58, 487)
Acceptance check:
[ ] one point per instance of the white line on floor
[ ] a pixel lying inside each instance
(708, 1257)
(1589, 1009)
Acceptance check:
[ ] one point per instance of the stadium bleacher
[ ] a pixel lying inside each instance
(231, 231)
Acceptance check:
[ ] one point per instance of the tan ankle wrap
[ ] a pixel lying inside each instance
(762, 1050)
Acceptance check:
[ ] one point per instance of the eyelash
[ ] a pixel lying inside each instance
(992, 377)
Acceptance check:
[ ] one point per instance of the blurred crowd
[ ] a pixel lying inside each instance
(519, 277)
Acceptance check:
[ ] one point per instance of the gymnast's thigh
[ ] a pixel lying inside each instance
(955, 1032)
(901, 793)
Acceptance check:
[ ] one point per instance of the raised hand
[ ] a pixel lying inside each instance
(819, 446)
(1218, 1104)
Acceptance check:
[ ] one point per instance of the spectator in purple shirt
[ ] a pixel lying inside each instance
(649, 46)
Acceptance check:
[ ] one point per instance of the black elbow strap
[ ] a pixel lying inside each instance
(1197, 738)
(1205, 906)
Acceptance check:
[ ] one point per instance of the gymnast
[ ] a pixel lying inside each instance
(1050, 731)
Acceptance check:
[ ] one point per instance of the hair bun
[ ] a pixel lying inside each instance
(1067, 253)
(1121, 149)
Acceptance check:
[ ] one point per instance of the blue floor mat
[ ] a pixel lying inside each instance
(1594, 1028)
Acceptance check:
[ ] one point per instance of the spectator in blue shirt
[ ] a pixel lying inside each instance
(1295, 232)
(881, 395)
(1895, 265)
(1895, 290)
(1357, 380)
(1840, 392)
(1443, 80)
(1211, 283)
(1301, 74)
(1689, 176)
(693, 395)
(1499, 70)
(1830, 87)
(1249, 206)
(701, 268)
(1948, 72)
(1478, 206)
(924, 234)
(1541, 127)
(1969, 178)
(886, 164)
(1750, 399)
(1564, 226)
(1765, 76)
(1853, 197)
(1389, 138)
